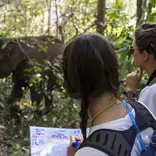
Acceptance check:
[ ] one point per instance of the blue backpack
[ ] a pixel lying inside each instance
(120, 143)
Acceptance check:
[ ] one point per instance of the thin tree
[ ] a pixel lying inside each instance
(139, 12)
(100, 22)
(149, 8)
(49, 16)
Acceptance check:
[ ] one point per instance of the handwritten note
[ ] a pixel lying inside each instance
(51, 141)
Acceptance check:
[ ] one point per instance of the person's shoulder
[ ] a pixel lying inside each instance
(149, 89)
(153, 86)
(148, 95)
(89, 151)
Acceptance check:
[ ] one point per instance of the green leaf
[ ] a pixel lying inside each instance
(153, 3)
(114, 15)
(151, 17)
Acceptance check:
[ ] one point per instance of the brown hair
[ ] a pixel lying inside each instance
(90, 69)
(145, 38)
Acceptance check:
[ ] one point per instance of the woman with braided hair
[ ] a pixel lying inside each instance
(144, 55)
(90, 69)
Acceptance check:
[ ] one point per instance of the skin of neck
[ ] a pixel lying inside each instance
(150, 65)
(112, 113)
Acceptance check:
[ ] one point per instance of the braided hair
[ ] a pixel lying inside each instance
(145, 38)
(90, 69)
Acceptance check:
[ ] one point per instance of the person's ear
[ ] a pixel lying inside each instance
(145, 55)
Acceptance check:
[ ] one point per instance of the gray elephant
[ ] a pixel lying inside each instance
(14, 57)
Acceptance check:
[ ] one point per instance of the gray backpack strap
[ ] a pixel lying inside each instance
(110, 142)
(120, 143)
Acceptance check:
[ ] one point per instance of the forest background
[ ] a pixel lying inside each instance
(63, 19)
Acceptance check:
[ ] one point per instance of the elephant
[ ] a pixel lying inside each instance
(15, 55)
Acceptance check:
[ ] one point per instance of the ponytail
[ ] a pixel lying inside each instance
(84, 116)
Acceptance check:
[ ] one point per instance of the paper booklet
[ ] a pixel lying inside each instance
(51, 141)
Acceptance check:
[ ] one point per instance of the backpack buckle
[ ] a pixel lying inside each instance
(153, 141)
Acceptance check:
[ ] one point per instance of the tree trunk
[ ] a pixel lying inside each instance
(57, 19)
(100, 16)
(49, 17)
(139, 12)
(149, 8)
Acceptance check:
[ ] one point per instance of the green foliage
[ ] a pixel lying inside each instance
(152, 17)
(154, 3)
(64, 20)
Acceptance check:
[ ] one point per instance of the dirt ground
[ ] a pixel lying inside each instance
(5, 145)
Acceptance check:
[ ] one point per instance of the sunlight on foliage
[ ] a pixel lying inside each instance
(63, 19)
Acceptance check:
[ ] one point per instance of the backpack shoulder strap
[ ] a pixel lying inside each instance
(120, 143)
(143, 117)
(111, 142)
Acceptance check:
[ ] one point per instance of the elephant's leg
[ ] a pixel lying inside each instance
(17, 90)
(16, 94)
(35, 96)
(48, 101)
(48, 96)
(19, 79)
(50, 88)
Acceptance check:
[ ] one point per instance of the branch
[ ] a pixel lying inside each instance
(22, 49)
(4, 3)
(90, 26)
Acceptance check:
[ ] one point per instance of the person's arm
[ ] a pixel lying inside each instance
(70, 149)
(132, 81)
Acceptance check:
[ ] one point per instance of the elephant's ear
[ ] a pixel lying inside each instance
(15, 56)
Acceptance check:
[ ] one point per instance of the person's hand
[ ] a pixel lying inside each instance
(132, 80)
(72, 150)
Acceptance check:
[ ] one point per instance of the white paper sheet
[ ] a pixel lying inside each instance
(51, 141)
